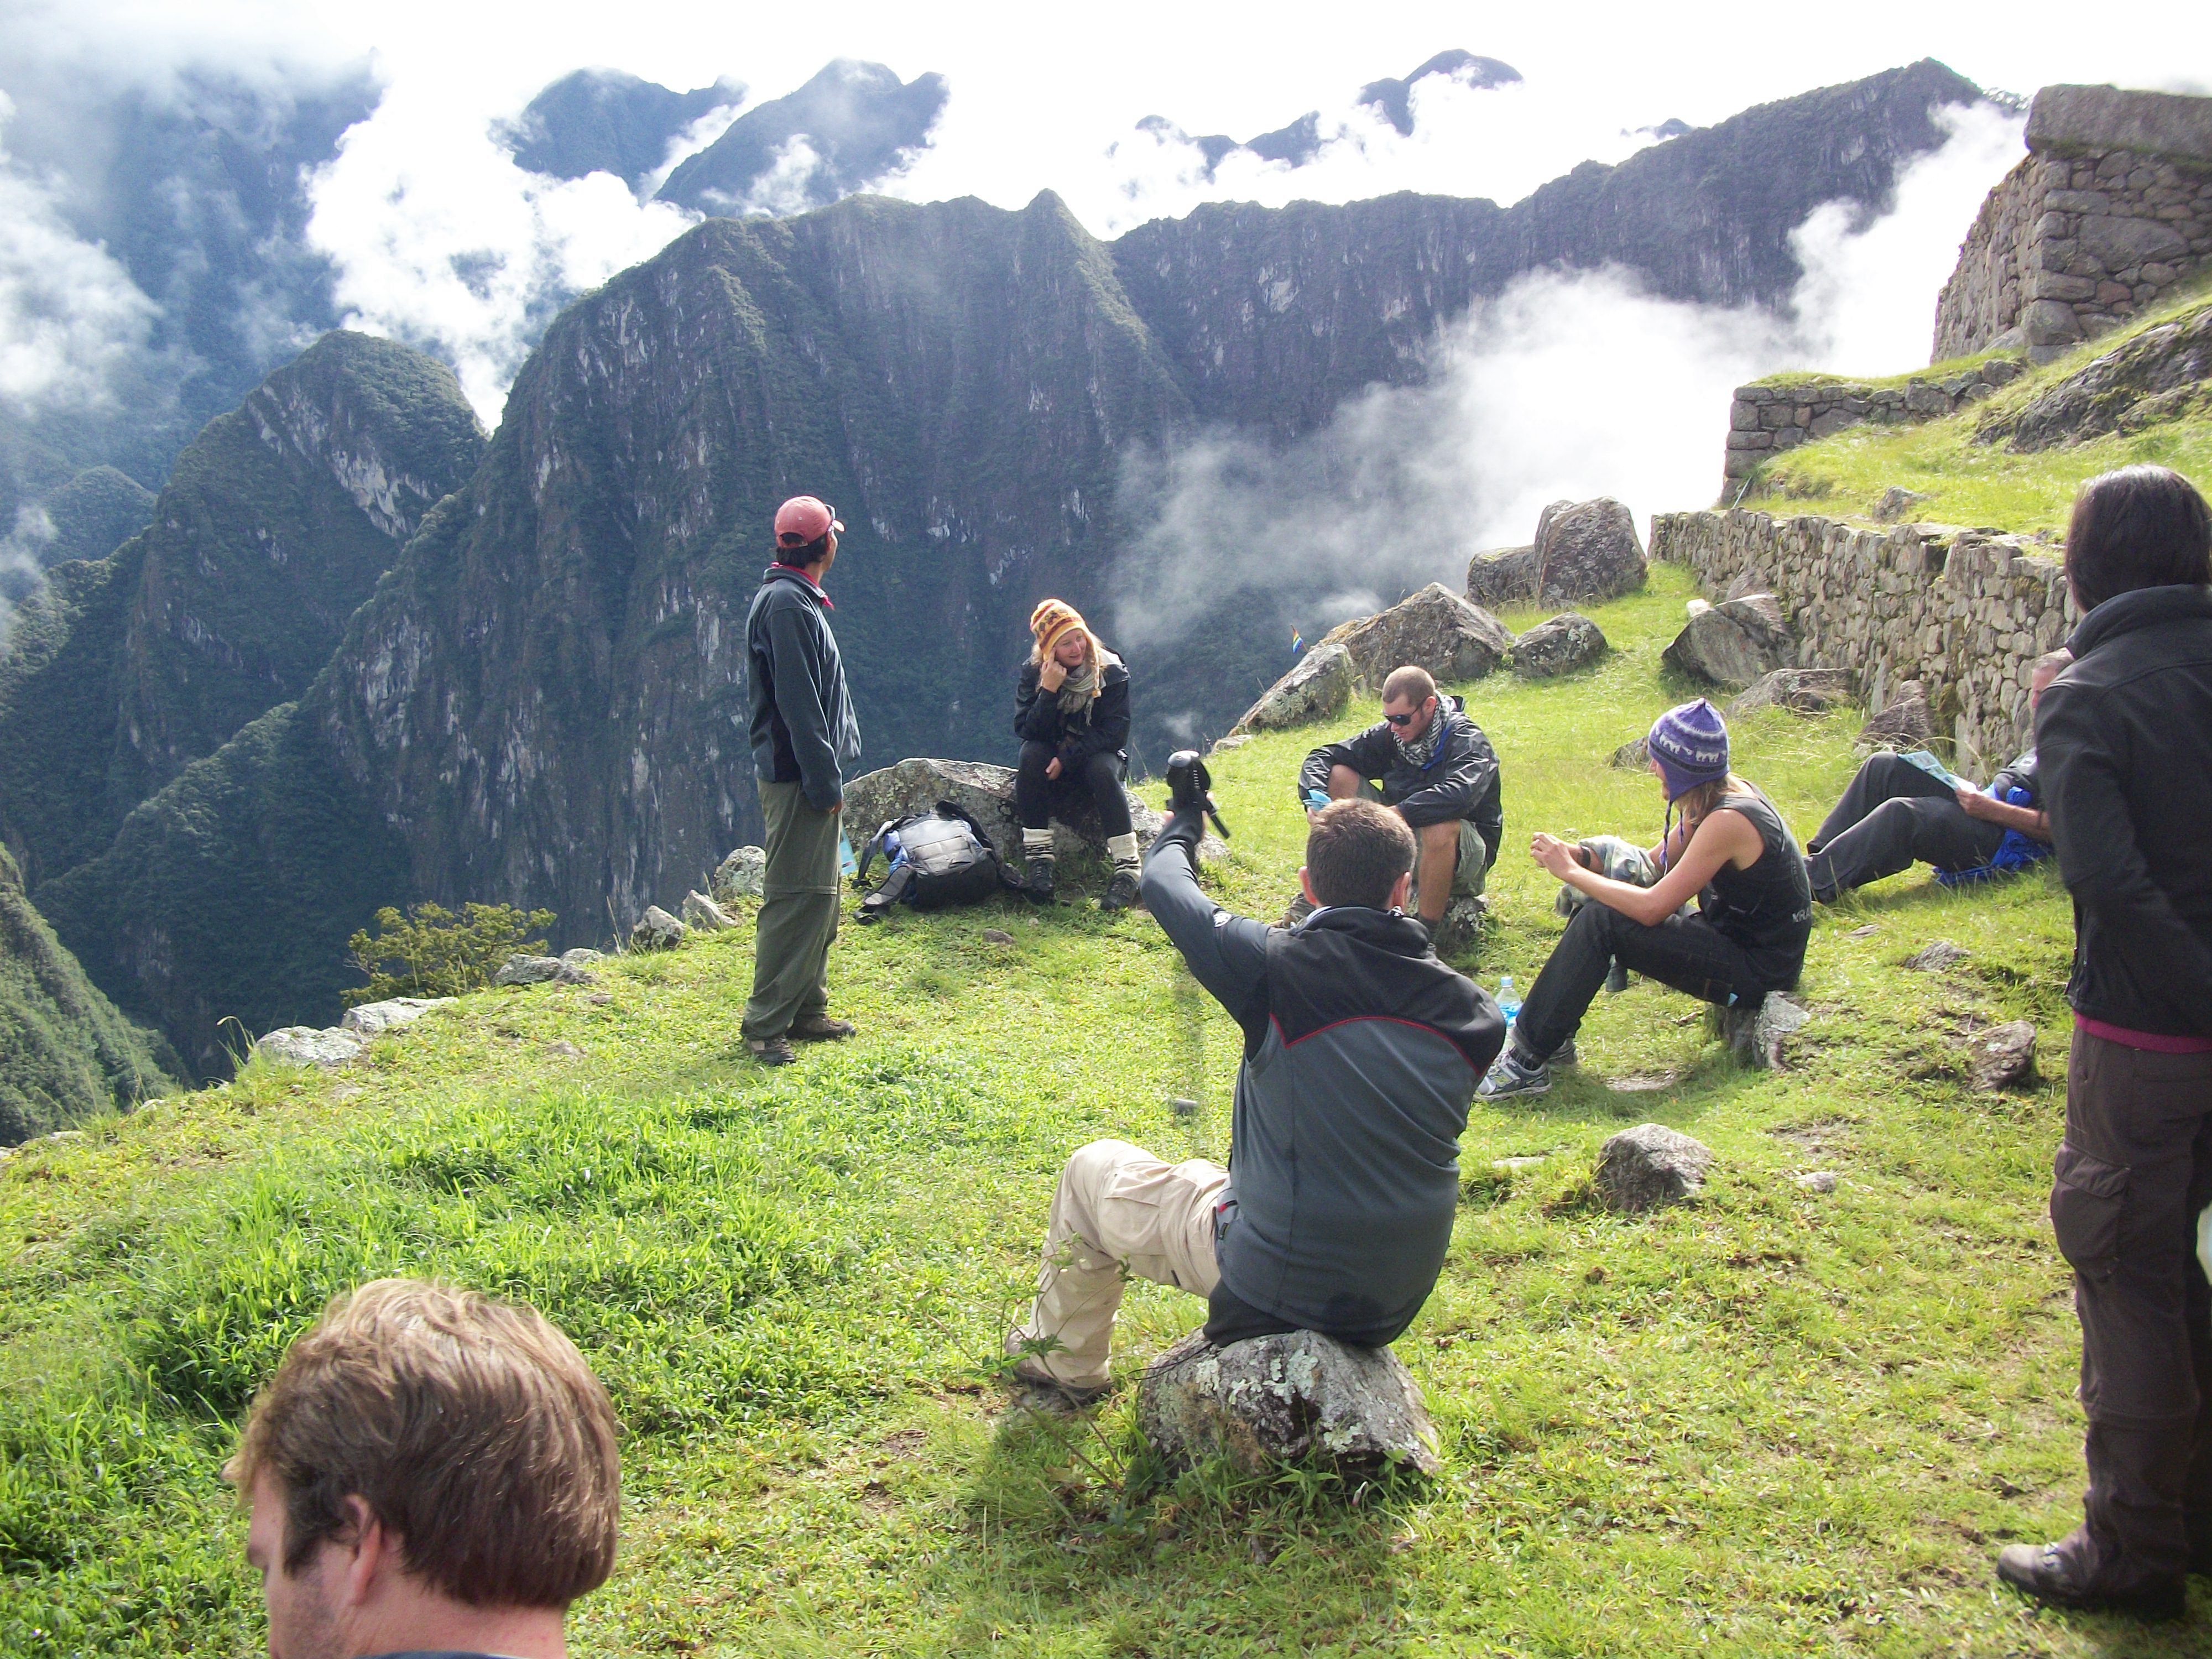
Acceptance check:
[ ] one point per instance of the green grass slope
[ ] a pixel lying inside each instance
(65, 1054)
(1969, 481)
(1767, 1423)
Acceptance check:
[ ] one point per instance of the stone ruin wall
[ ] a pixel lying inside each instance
(1966, 612)
(1771, 416)
(2112, 211)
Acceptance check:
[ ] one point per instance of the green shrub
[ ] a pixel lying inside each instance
(432, 953)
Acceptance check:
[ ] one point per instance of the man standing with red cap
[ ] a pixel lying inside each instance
(804, 738)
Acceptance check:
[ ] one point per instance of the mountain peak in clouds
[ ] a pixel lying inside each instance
(1393, 100)
(601, 120)
(849, 126)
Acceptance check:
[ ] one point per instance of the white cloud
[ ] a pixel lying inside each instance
(71, 317)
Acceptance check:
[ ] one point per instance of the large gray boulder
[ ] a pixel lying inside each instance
(1434, 629)
(739, 876)
(1757, 1033)
(521, 970)
(374, 1018)
(1733, 643)
(656, 930)
(1587, 550)
(1274, 1399)
(1506, 575)
(1907, 723)
(703, 916)
(1317, 687)
(303, 1045)
(1558, 646)
(986, 793)
(1806, 690)
(1651, 1164)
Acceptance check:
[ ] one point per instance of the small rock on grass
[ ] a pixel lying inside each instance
(1649, 1165)
(562, 1048)
(2003, 1056)
(303, 1045)
(519, 970)
(656, 930)
(1934, 957)
(997, 936)
(1817, 1181)
(702, 914)
(1867, 932)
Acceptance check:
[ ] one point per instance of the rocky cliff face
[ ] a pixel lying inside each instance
(274, 527)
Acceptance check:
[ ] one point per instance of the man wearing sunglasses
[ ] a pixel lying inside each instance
(1432, 764)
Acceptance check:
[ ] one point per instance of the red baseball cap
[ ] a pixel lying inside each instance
(802, 520)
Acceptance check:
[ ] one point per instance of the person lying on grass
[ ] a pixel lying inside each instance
(431, 1471)
(1361, 1055)
(1732, 852)
(1896, 812)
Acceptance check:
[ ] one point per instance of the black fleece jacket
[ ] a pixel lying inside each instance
(2123, 742)
(1459, 781)
(1105, 730)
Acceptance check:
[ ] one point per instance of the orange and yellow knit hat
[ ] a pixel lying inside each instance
(1053, 621)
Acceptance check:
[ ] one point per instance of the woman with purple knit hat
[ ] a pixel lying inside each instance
(1732, 852)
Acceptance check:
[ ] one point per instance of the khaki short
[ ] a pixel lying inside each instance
(1474, 868)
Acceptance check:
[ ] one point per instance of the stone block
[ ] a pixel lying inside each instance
(1587, 550)
(1807, 690)
(1506, 575)
(1453, 638)
(2122, 243)
(656, 930)
(739, 876)
(519, 970)
(2067, 120)
(1735, 642)
(986, 793)
(1279, 1399)
(1317, 687)
(1650, 1165)
(1558, 645)
(1905, 723)
(703, 916)
(303, 1045)
(374, 1018)
(2076, 201)
(1756, 1034)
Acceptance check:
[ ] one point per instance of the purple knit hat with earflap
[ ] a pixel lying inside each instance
(1691, 744)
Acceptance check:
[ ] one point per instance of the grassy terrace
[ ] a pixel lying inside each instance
(1769, 1423)
(1969, 483)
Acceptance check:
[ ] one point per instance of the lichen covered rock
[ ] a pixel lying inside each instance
(1434, 629)
(1733, 643)
(739, 876)
(986, 793)
(519, 970)
(1274, 1399)
(1587, 550)
(374, 1018)
(702, 914)
(1806, 690)
(303, 1045)
(1319, 686)
(1649, 1165)
(1558, 645)
(656, 930)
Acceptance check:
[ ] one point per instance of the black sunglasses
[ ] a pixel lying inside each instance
(1407, 719)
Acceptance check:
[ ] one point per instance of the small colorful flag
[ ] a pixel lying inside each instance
(1298, 641)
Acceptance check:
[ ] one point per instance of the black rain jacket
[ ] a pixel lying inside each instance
(804, 731)
(1459, 781)
(1103, 730)
(2123, 745)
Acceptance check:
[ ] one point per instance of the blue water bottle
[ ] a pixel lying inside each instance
(1508, 1003)
(846, 861)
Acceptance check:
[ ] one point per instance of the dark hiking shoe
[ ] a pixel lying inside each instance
(1120, 892)
(1515, 1073)
(1037, 1389)
(1037, 881)
(819, 1028)
(771, 1051)
(1562, 1055)
(1616, 979)
(2045, 1572)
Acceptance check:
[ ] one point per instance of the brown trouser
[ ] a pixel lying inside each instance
(2133, 1175)
(1119, 1212)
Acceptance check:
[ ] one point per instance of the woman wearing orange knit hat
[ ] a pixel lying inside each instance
(1072, 714)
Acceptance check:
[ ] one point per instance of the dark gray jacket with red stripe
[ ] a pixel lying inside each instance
(1361, 1055)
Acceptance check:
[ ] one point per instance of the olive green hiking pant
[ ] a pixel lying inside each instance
(797, 913)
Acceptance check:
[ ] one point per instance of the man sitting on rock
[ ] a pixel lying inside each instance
(1439, 773)
(1895, 812)
(1361, 1053)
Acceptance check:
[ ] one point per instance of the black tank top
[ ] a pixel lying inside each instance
(1769, 905)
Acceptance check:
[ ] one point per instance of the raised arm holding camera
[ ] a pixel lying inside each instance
(1362, 1052)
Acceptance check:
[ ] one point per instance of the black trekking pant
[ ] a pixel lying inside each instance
(1687, 952)
(2132, 1176)
(1893, 816)
(1097, 781)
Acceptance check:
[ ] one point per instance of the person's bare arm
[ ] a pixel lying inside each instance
(2025, 819)
(1724, 836)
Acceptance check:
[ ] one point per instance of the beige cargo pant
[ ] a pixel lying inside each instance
(1119, 1212)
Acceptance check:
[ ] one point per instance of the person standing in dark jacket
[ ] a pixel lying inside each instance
(1072, 714)
(1361, 1053)
(1732, 852)
(804, 736)
(2125, 738)
(1436, 768)
(1895, 813)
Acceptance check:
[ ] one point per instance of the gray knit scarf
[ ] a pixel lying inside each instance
(1419, 751)
(1077, 690)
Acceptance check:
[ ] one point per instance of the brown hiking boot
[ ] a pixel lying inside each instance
(771, 1051)
(1038, 1387)
(819, 1028)
(2048, 1572)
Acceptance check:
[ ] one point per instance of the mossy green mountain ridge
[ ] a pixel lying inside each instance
(66, 1054)
(274, 527)
(543, 702)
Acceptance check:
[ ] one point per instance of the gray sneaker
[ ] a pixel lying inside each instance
(1514, 1074)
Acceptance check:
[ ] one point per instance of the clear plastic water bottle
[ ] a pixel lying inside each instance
(1509, 1000)
(846, 861)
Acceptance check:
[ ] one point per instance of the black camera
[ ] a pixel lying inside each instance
(1190, 787)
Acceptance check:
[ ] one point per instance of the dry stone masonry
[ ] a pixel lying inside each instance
(2112, 209)
(1771, 416)
(1964, 612)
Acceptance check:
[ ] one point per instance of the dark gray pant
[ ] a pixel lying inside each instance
(1684, 951)
(798, 913)
(2132, 1176)
(1893, 816)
